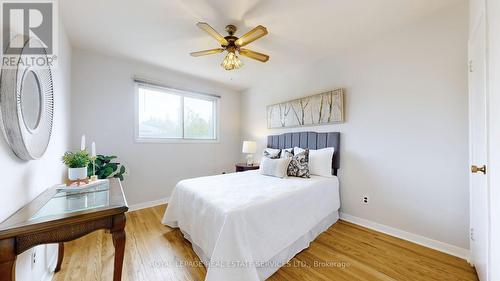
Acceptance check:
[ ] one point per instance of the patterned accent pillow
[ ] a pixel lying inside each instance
(271, 153)
(299, 164)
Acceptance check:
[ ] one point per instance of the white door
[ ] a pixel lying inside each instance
(479, 208)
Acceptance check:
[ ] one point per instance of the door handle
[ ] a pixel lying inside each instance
(475, 169)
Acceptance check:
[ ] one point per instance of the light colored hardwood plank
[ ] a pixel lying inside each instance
(344, 252)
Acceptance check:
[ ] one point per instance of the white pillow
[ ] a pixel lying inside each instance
(274, 167)
(320, 161)
(283, 155)
(297, 150)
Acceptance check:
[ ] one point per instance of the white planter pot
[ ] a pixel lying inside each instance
(77, 173)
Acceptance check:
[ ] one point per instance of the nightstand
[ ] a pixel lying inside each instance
(241, 167)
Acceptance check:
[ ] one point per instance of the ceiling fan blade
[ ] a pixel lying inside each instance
(210, 30)
(251, 36)
(254, 55)
(207, 52)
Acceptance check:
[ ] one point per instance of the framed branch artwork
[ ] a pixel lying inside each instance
(320, 109)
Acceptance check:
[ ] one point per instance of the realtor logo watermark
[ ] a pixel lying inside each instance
(29, 34)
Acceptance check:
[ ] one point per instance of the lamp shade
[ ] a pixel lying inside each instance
(249, 147)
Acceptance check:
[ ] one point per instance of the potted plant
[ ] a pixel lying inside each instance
(105, 167)
(77, 163)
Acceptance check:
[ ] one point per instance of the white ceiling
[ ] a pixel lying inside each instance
(163, 32)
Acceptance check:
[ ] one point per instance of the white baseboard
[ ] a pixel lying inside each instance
(148, 204)
(415, 238)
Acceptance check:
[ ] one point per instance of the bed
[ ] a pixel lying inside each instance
(245, 226)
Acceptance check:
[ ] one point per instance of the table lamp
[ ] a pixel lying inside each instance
(249, 147)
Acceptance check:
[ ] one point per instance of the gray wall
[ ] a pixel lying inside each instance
(405, 139)
(104, 110)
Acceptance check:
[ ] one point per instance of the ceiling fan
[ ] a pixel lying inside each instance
(233, 44)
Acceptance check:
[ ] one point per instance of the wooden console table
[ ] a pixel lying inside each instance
(61, 216)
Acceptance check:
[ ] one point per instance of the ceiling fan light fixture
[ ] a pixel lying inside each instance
(232, 44)
(231, 61)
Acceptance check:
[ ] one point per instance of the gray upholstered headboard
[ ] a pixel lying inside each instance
(311, 140)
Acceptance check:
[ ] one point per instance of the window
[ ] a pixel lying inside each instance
(168, 114)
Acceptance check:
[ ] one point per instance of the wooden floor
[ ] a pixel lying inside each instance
(343, 252)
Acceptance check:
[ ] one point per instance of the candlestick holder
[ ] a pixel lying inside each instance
(93, 177)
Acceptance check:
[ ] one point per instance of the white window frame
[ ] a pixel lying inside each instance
(215, 99)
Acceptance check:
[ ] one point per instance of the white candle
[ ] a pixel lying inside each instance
(93, 149)
(82, 146)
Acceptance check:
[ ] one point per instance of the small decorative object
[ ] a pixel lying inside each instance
(104, 168)
(77, 163)
(95, 185)
(321, 109)
(249, 147)
(27, 102)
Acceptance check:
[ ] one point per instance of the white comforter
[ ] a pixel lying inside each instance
(242, 220)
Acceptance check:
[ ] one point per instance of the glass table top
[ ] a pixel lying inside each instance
(67, 201)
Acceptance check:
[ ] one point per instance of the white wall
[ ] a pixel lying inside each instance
(22, 181)
(405, 139)
(103, 103)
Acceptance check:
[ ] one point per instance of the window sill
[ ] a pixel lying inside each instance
(175, 141)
